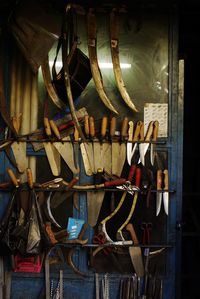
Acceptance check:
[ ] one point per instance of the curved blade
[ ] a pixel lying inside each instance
(158, 203)
(114, 30)
(96, 74)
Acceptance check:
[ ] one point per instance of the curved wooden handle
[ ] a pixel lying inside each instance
(86, 125)
(131, 230)
(155, 130)
(166, 180)
(124, 127)
(112, 126)
(159, 179)
(12, 177)
(91, 126)
(76, 134)
(29, 177)
(149, 131)
(104, 124)
(54, 128)
(137, 131)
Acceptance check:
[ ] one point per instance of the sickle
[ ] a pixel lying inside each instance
(49, 211)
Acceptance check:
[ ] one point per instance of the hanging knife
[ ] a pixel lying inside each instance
(159, 191)
(166, 192)
(154, 139)
(143, 147)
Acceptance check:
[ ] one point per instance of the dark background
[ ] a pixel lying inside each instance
(189, 50)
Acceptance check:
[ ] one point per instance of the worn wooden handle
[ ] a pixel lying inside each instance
(86, 125)
(137, 131)
(104, 124)
(131, 230)
(130, 131)
(166, 180)
(29, 177)
(54, 128)
(149, 131)
(12, 177)
(112, 126)
(124, 127)
(47, 126)
(141, 132)
(92, 127)
(76, 134)
(159, 179)
(155, 130)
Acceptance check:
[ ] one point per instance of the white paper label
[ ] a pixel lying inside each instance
(157, 112)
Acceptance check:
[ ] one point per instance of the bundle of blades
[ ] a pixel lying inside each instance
(66, 149)
(92, 50)
(114, 45)
(53, 155)
(118, 147)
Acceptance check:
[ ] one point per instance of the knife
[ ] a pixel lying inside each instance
(129, 143)
(154, 139)
(122, 147)
(166, 192)
(143, 147)
(135, 252)
(159, 193)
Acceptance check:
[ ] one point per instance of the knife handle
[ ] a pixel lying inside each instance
(54, 128)
(13, 177)
(124, 127)
(86, 125)
(159, 179)
(47, 126)
(149, 131)
(117, 182)
(138, 177)
(72, 183)
(166, 180)
(131, 230)
(130, 131)
(76, 134)
(104, 124)
(131, 173)
(141, 131)
(113, 126)
(91, 126)
(137, 131)
(155, 130)
(29, 177)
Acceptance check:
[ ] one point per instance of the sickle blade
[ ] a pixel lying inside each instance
(114, 32)
(96, 74)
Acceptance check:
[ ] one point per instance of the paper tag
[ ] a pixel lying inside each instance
(157, 112)
(74, 227)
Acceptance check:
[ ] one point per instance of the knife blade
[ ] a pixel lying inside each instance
(129, 145)
(143, 147)
(135, 252)
(122, 147)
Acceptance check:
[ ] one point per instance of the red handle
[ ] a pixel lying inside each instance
(115, 183)
(138, 177)
(131, 172)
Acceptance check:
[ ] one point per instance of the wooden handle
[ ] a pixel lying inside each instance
(141, 132)
(29, 177)
(149, 131)
(112, 126)
(137, 131)
(54, 128)
(91, 126)
(104, 124)
(124, 127)
(12, 177)
(47, 126)
(130, 131)
(131, 173)
(131, 230)
(166, 180)
(86, 125)
(76, 134)
(159, 179)
(72, 183)
(155, 130)
(117, 182)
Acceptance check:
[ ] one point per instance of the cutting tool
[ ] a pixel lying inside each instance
(132, 142)
(143, 147)
(154, 139)
(162, 192)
